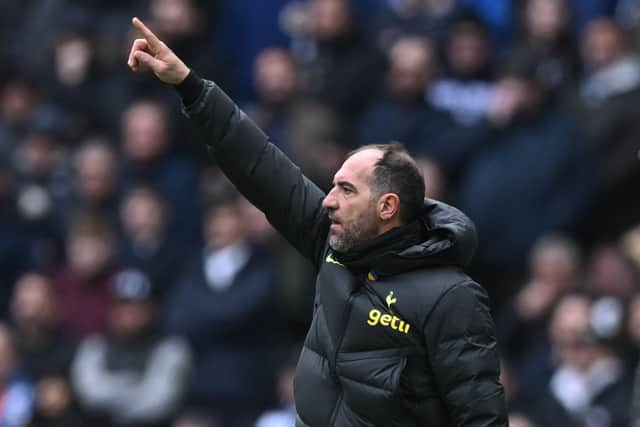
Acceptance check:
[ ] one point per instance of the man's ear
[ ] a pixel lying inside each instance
(388, 206)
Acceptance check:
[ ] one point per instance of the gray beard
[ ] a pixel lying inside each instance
(351, 237)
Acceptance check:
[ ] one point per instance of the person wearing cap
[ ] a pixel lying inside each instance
(132, 373)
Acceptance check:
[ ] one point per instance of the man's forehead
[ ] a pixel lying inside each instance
(359, 165)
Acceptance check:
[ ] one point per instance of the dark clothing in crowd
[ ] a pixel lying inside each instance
(541, 154)
(420, 127)
(229, 325)
(344, 73)
(171, 175)
(84, 302)
(51, 354)
(382, 347)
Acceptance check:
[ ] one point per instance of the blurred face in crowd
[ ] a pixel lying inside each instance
(128, 317)
(568, 325)
(37, 154)
(174, 18)
(145, 127)
(329, 18)
(351, 205)
(73, 56)
(610, 273)
(7, 353)
(545, 20)
(90, 249)
(95, 169)
(468, 49)
(33, 307)
(53, 396)
(602, 43)
(143, 215)
(223, 226)
(412, 67)
(555, 266)
(275, 75)
(18, 99)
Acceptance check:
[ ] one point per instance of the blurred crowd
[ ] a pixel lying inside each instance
(139, 289)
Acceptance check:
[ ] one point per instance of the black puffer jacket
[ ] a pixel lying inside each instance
(400, 335)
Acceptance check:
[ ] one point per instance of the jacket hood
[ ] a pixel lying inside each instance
(449, 238)
(443, 236)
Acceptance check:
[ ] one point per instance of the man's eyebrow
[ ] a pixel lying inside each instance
(345, 184)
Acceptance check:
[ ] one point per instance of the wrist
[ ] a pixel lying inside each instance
(190, 87)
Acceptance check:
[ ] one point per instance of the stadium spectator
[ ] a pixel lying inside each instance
(611, 273)
(132, 373)
(554, 271)
(94, 181)
(17, 251)
(609, 96)
(229, 290)
(590, 385)
(17, 391)
(148, 159)
(278, 94)
(41, 344)
(401, 112)
(465, 86)
(398, 18)
(341, 69)
(82, 282)
(20, 98)
(545, 29)
(526, 127)
(144, 241)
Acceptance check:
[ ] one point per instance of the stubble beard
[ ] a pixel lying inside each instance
(354, 233)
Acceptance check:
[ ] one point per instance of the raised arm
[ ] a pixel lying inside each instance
(261, 172)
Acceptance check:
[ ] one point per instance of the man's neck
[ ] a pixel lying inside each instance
(389, 225)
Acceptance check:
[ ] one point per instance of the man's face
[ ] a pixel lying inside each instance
(351, 205)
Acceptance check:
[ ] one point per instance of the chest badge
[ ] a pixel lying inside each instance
(390, 300)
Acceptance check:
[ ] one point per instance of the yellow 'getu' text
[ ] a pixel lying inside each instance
(394, 322)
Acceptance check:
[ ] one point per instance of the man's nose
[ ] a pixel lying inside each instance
(330, 201)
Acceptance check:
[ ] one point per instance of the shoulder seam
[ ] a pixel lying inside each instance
(445, 293)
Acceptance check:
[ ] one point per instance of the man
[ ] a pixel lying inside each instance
(400, 335)
(133, 373)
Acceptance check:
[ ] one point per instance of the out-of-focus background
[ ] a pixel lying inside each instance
(138, 289)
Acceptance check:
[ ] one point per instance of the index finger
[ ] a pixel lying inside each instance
(152, 39)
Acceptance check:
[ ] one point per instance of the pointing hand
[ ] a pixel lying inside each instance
(151, 52)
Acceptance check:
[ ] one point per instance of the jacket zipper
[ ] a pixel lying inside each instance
(334, 374)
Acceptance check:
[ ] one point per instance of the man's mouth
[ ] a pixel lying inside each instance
(335, 224)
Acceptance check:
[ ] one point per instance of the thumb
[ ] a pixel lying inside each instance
(148, 60)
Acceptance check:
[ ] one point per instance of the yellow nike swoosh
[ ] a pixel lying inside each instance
(332, 260)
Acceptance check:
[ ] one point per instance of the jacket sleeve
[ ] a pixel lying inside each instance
(461, 344)
(260, 171)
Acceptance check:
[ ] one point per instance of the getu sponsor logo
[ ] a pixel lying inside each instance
(376, 317)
